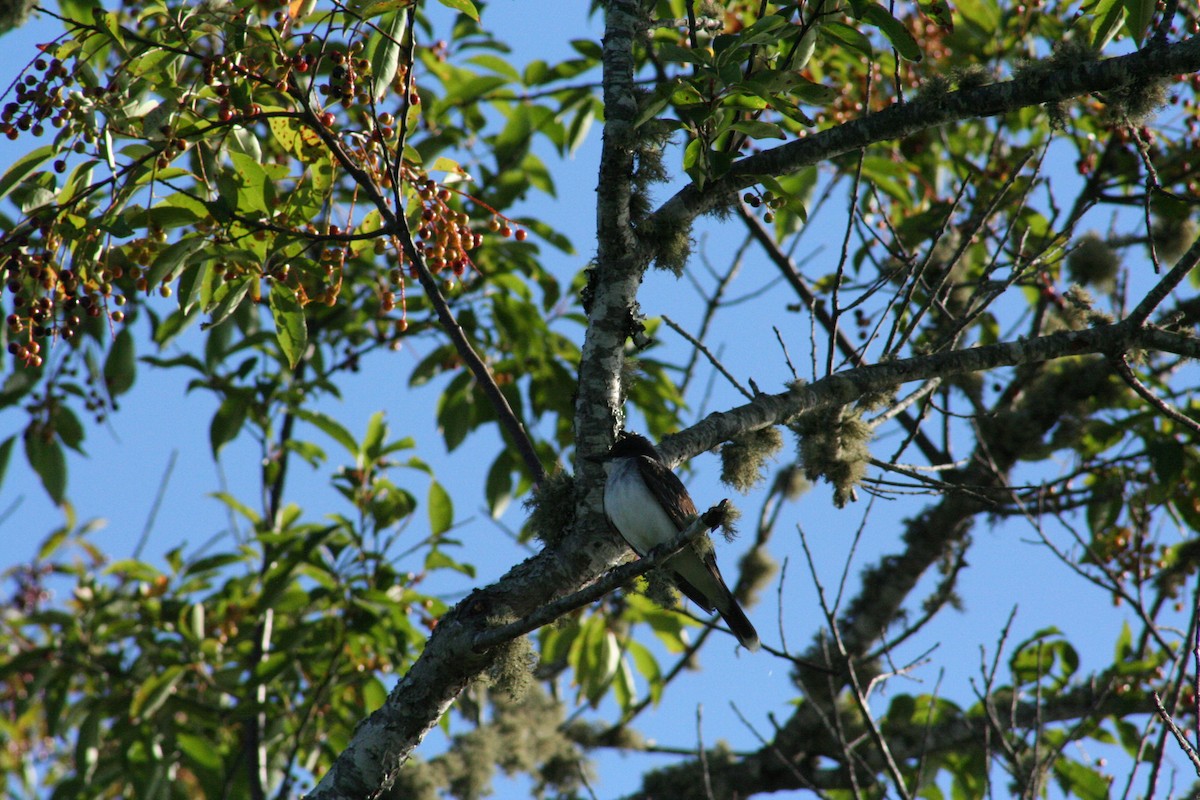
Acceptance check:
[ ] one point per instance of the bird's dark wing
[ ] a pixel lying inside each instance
(668, 490)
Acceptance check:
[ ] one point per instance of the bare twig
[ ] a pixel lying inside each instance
(712, 359)
(1179, 735)
(1121, 364)
(704, 770)
(860, 696)
(1186, 263)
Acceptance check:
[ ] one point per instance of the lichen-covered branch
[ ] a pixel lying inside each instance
(1031, 88)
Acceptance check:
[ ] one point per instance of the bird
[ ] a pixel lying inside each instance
(648, 505)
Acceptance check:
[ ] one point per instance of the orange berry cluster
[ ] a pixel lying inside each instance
(445, 236)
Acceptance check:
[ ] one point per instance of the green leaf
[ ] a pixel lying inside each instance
(765, 30)
(244, 141)
(67, 427)
(331, 428)
(215, 562)
(454, 414)
(437, 559)
(152, 693)
(624, 688)
(603, 659)
(256, 192)
(87, 745)
(228, 421)
(291, 328)
(496, 64)
(389, 504)
(45, 456)
(1138, 16)
(385, 59)
(1107, 18)
(893, 30)
(199, 750)
(381, 7)
(6, 448)
(374, 694)
(579, 127)
(171, 260)
(53, 541)
(23, 166)
(226, 298)
(465, 6)
(441, 509)
(133, 569)
(285, 130)
(1081, 781)
(758, 130)
(1103, 510)
(647, 666)
(372, 443)
(1166, 458)
(120, 367)
(1124, 647)
(498, 489)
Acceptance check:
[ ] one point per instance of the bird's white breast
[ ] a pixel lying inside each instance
(633, 509)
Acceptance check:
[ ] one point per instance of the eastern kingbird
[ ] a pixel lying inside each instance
(648, 505)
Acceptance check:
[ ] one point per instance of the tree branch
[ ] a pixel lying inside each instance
(611, 580)
(1031, 88)
(396, 224)
(846, 386)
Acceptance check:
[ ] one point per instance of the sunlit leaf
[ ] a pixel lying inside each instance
(441, 509)
(385, 59)
(150, 696)
(465, 6)
(291, 329)
(894, 30)
(23, 166)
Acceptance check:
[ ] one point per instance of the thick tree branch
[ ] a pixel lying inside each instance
(807, 296)
(848, 385)
(617, 272)
(614, 579)
(775, 770)
(1154, 62)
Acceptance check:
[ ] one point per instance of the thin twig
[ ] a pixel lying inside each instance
(696, 343)
(1176, 732)
(395, 223)
(860, 697)
(786, 356)
(704, 771)
(156, 505)
(1121, 364)
(1186, 263)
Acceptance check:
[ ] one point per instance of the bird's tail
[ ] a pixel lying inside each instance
(737, 621)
